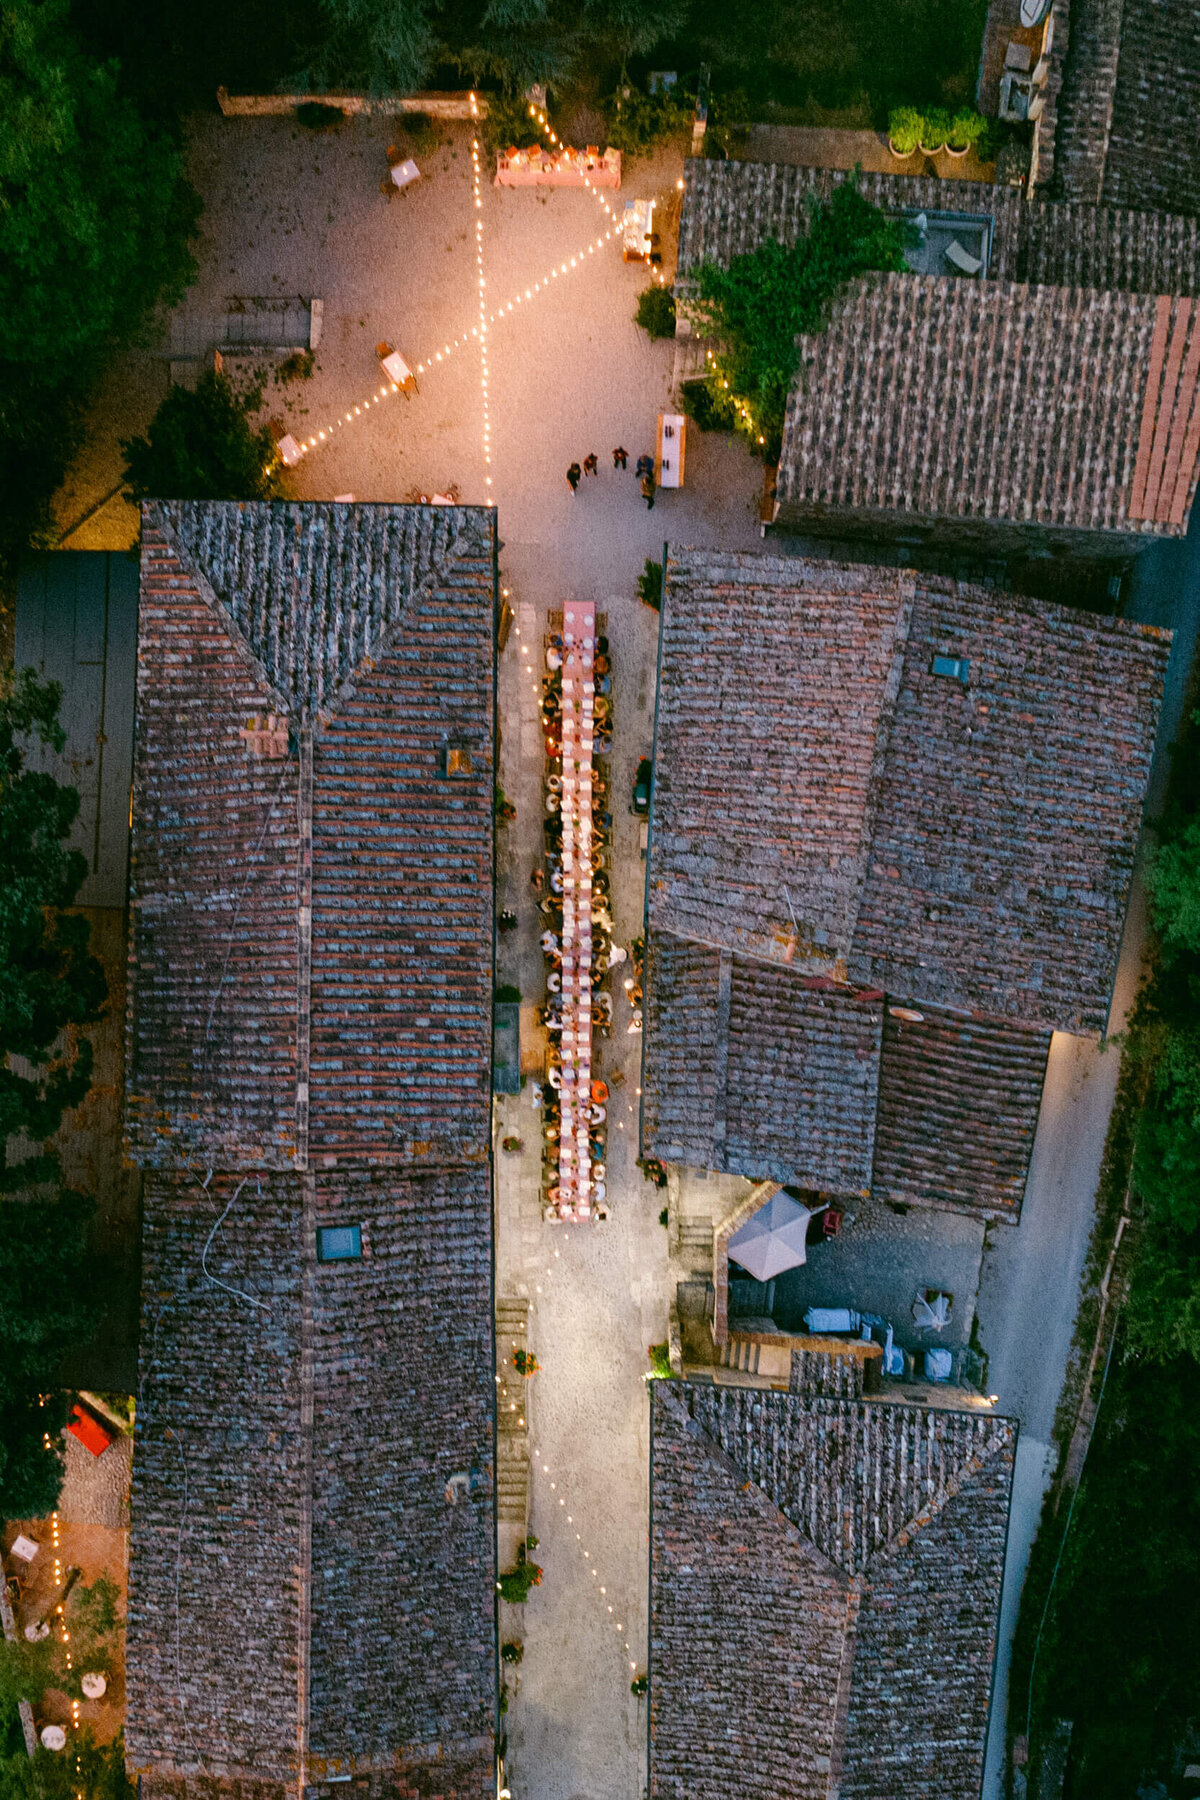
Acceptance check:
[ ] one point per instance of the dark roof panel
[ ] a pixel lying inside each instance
(777, 677)
(1010, 809)
(290, 1403)
(749, 1069)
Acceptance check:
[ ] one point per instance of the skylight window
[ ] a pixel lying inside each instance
(456, 760)
(954, 668)
(339, 1243)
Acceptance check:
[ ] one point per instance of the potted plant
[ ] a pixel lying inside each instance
(966, 128)
(935, 131)
(904, 131)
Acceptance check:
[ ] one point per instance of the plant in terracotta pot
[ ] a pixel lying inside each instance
(905, 125)
(936, 124)
(967, 127)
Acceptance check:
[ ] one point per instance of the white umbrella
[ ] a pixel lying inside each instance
(773, 1240)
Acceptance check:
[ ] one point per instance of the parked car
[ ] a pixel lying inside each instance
(641, 788)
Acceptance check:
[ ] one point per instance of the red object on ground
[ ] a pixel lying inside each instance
(831, 1222)
(91, 1433)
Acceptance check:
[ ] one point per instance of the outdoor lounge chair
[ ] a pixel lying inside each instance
(962, 259)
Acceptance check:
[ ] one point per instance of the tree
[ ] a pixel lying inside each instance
(50, 984)
(95, 216)
(758, 305)
(50, 987)
(387, 46)
(92, 1771)
(202, 446)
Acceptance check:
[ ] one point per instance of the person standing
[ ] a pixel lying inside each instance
(648, 490)
(620, 457)
(591, 465)
(573, 477)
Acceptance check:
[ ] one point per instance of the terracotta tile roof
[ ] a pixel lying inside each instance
(1069, 244)
(287, 1445)
(311, 958)
(825, 1589)
(749, 1068)
(1010, 808)
(1125, 125)
(958, 1109)
(730, 207)
(777, 678)
(311, 991)
(983, 401)
(971, 853)
(968, 843)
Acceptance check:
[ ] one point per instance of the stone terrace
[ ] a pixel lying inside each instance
(310, 1011)
(730, 207)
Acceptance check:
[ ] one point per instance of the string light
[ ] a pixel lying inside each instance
(483, 318)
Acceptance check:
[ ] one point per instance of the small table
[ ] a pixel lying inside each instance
(396, 369)
(403, 173)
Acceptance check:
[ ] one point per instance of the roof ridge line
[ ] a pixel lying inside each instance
(152, 514)
(434, 578)
(754, 1492)
(901, 1538)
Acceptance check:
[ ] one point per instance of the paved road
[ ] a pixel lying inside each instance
(1028, 1292)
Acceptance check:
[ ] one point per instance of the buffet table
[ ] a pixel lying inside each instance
(539, 167)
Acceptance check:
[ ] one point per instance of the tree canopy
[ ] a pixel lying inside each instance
(50, 986)
(201, 445)
(95, 217)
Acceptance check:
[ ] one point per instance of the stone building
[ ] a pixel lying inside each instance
(825, 1592)
(1035, 398)
(312, 1574)
(892, 836)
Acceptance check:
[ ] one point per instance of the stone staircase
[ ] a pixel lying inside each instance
(695, 1244)
(746, 1362)
(512, 1426)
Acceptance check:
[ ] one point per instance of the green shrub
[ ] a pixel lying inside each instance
(656, 311)
(905, 125)
(660, 1363)
(296, 367)
(967, 127)
(708, 404)
(936, 126)
(516, 1583)
(315, 117)
(202, 446)
(509, 124)
(638, 121)
(508, 994)
(421, 132)
(650, 584)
